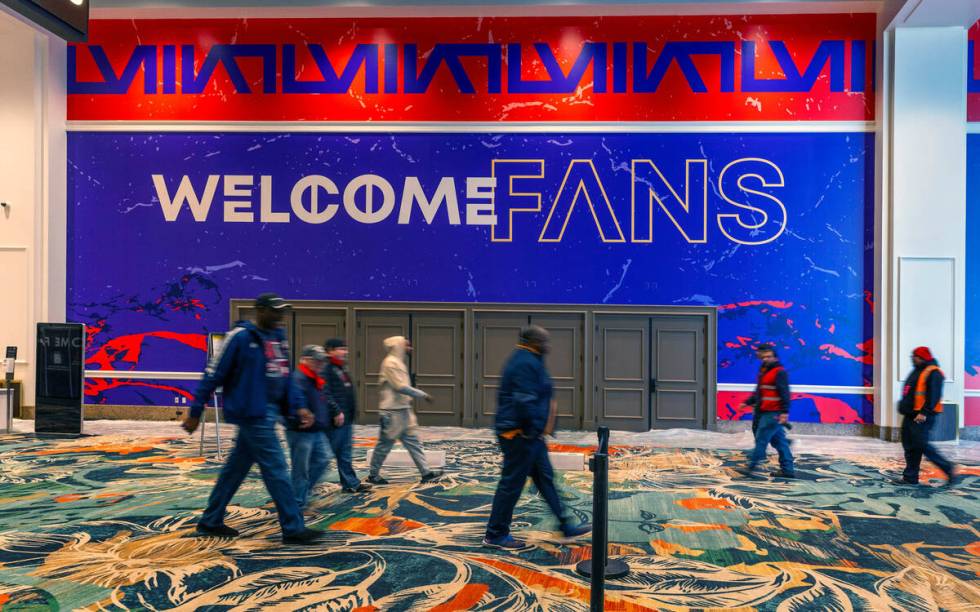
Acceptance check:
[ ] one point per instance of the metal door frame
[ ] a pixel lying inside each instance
(469, 310)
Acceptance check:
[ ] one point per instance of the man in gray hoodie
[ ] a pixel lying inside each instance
(398, 421)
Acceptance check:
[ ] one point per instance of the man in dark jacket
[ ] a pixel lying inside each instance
(771, 403)
(340, 388)
(525, 414)
(308, 451)
(920, 406)
(252, 367)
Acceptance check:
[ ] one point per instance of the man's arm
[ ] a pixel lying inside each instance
(216, 373)
(333, 408)
(782, 387)
(552, 416)
(398, 378)
(934, 390)
(526, 387)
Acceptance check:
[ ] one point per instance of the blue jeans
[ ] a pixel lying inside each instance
(309, 457)
(769, 431)
(523, 457)
(256, 443)
(340, 443)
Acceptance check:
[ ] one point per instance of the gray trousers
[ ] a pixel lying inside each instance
(399, 424)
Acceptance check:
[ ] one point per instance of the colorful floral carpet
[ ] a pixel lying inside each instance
(105, 523)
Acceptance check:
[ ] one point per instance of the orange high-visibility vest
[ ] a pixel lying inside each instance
(920, 390)
(769, 400)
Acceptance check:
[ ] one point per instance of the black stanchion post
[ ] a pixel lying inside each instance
(613, 568)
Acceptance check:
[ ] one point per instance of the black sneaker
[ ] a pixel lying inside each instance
(570, 533)
(377, 480)
(507, 542)
(431, 476)
(752, 474)
(221, 531)
(904, 483)
(360, 488)
(307, 536)
(954, 480)
(782, 474)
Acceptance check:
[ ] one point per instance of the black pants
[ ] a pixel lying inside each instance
(915, 441)
(522, 458)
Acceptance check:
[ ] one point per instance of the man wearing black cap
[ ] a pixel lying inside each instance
(252, 367)
(340, 389)
(921, 405)
(771, 402)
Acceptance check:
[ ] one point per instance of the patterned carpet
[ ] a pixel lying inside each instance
(104, 522)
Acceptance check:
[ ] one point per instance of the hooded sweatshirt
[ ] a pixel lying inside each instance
(396, 385)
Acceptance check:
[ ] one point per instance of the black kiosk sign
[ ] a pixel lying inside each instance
(60, 378)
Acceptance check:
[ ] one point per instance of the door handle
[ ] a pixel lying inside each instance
(653, 385)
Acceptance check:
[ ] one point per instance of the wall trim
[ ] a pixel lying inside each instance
(468, 127)
(837, 390)
(166, 10)
(143, 375)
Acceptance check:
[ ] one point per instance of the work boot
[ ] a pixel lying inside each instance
(303, 538)
(219, 531)
(571, 533)
(431, 476)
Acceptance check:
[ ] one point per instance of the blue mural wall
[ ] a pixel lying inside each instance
(775, 230)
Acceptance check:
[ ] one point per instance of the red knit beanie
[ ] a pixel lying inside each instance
(923, 353)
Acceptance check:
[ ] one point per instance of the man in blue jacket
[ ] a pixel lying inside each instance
(252, 367)
(525, 414)
(309, 454)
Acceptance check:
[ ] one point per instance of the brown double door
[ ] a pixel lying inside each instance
(435, 364)
(495, 336)
(305, 326)
(649, 372)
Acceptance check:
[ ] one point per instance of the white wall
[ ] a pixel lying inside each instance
(32, 183)
(923, 220)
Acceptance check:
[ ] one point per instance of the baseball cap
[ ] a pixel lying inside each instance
(334, 343)
(271, 301)
(315, 351)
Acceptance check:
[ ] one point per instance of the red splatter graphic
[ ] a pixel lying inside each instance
(867, 358)
(971, 412)
(774, 303)
(729, 405)
(96, 386)
(831, 410)
(869, 300)
(127, 349)
(742, 341)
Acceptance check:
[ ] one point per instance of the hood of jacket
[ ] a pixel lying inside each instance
(395, 346)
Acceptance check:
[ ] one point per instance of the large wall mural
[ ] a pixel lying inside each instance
(772, 229)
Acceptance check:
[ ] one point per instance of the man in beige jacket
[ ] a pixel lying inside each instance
(398, 421)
